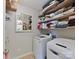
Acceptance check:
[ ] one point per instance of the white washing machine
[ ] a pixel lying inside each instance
(61, 48)
(40, 45)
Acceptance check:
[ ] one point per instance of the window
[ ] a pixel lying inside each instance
(23, 22)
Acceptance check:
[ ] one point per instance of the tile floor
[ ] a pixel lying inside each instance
(31, 56)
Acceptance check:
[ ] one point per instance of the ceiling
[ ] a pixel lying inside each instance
(35, 4)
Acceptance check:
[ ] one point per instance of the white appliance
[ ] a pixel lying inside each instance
(61, 48)
(40, 45)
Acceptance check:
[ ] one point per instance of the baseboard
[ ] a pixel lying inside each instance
(29, 53)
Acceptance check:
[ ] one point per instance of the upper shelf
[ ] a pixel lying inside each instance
(65, 14)
(61, 16)
(53, 8)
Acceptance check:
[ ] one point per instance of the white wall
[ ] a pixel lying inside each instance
(20, 43)
(62, 33)
(66, 33)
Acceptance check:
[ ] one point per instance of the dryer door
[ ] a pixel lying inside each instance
(51, 54)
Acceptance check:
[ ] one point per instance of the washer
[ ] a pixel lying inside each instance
(40, 46)
(61, 48)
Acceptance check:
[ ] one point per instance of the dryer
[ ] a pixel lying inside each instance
(61, 48)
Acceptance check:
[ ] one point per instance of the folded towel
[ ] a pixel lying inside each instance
(62, 22)
(61, 26)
